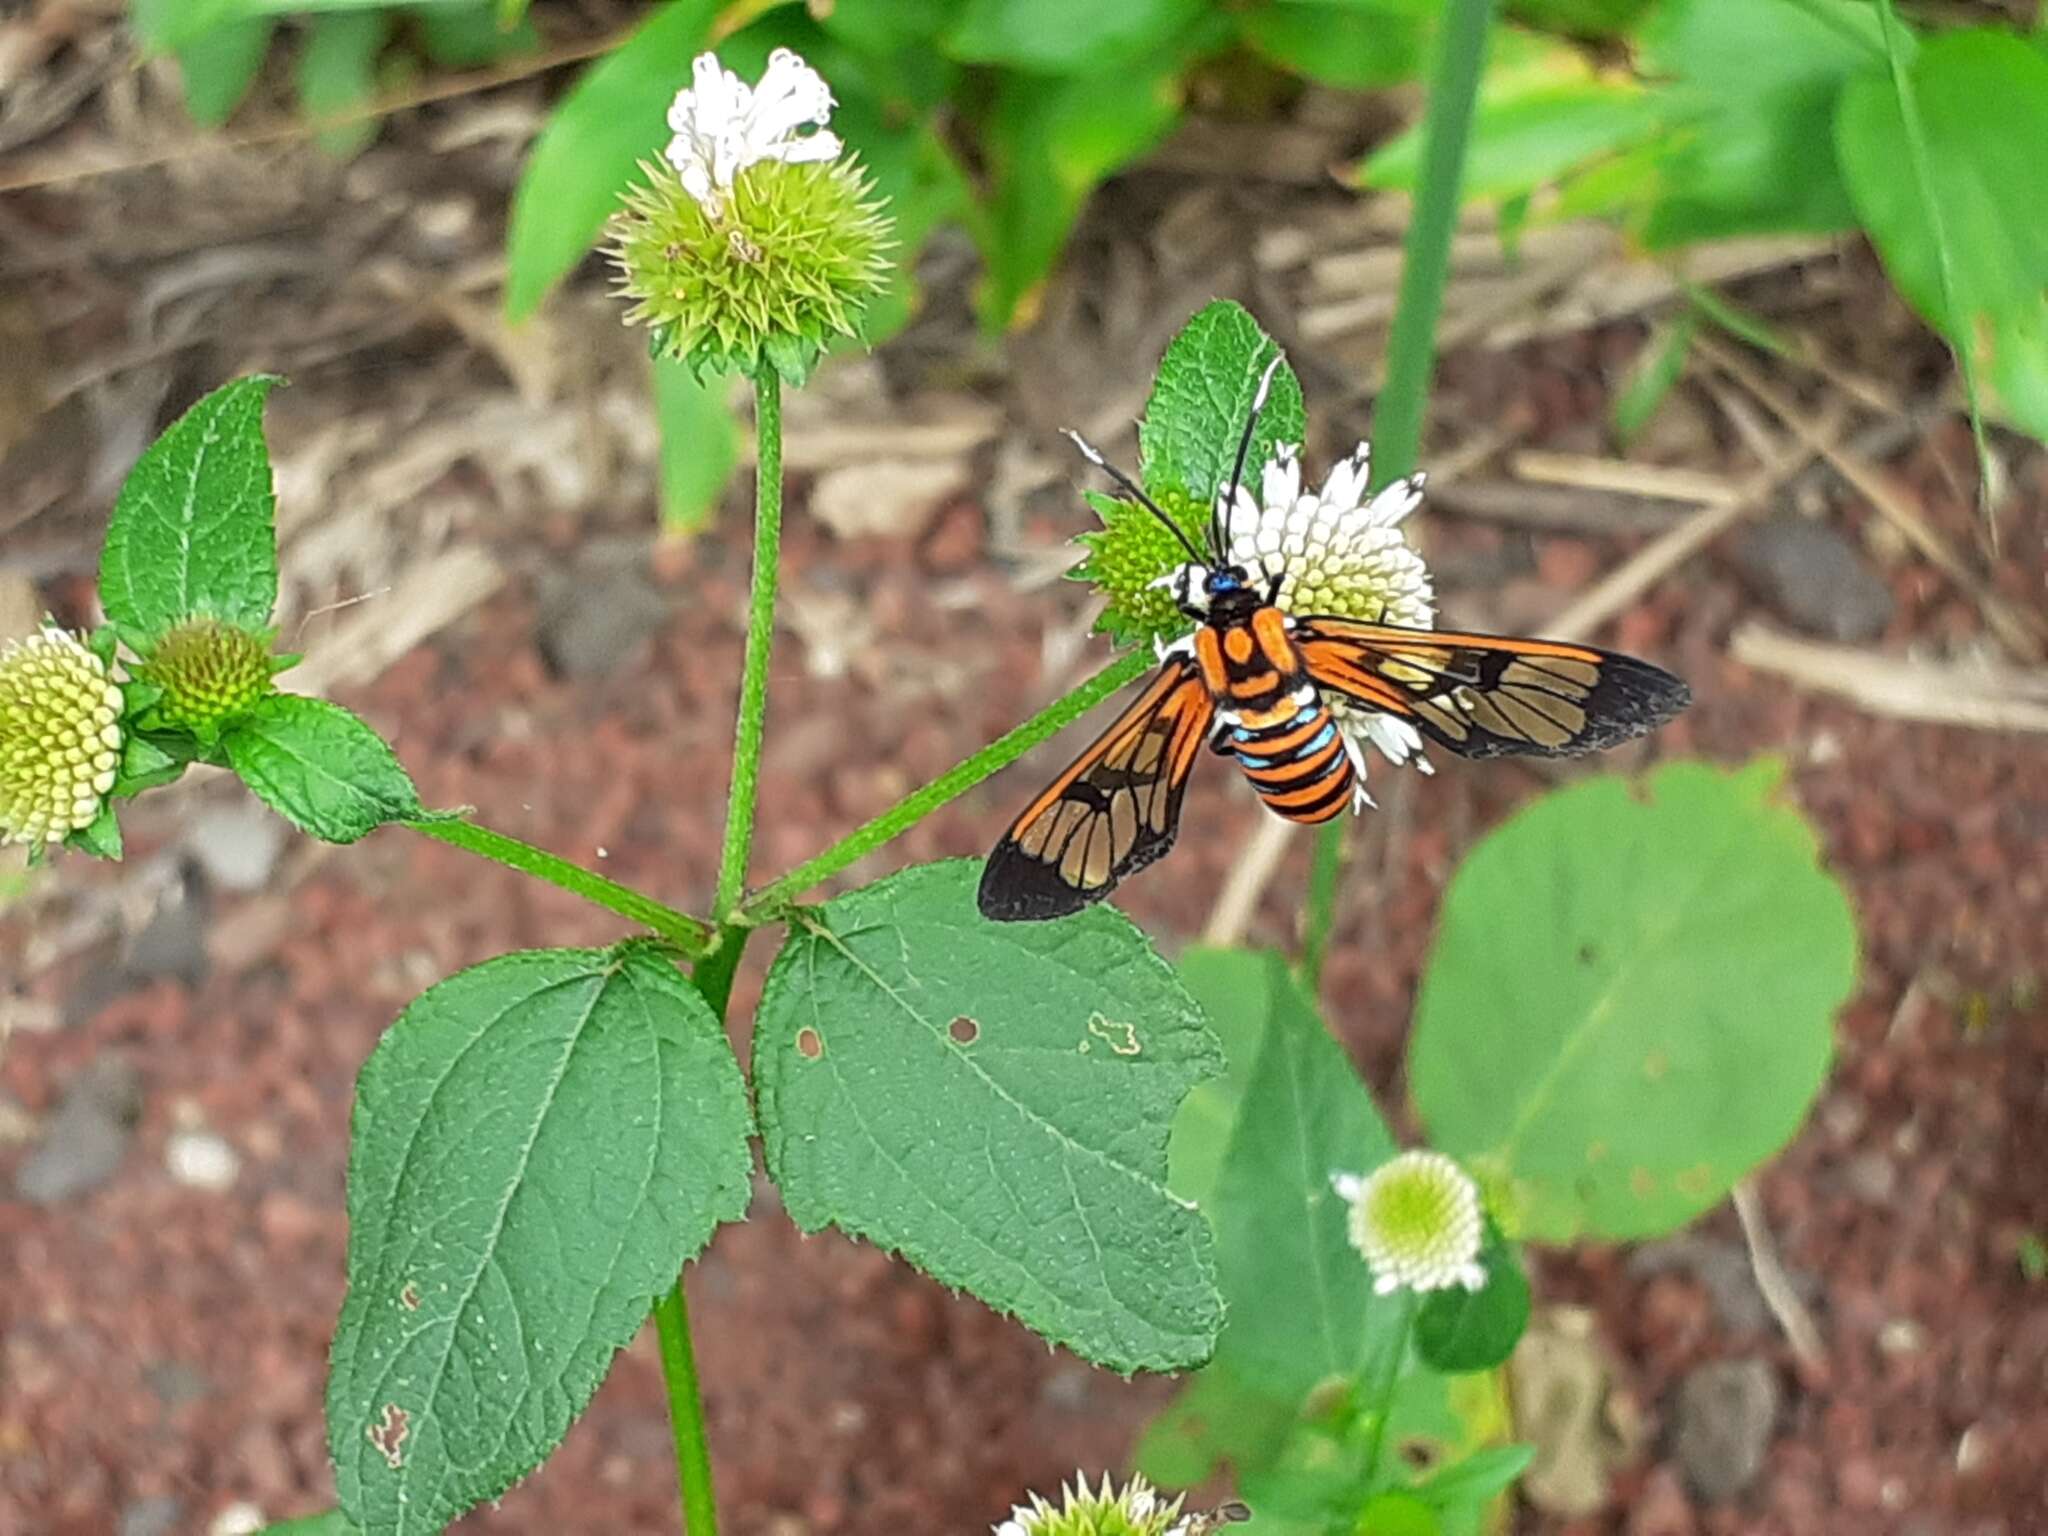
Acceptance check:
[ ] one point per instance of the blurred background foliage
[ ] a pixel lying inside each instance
(1680, 121)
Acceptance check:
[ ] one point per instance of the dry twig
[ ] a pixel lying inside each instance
(1985, 698)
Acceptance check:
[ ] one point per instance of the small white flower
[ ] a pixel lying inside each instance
(1338, 551)
(1417, 1221)
(722, 125)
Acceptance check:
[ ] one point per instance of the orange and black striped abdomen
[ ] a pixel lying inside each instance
(1299, 767)
(1273, 720)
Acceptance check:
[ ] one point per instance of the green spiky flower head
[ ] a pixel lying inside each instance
(209, 672)
(60, 737)
(1128, 557)
(1417, 1221)
(751, 244)
(1135, 1510)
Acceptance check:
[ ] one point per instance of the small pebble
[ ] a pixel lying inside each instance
(201, 1160)
(238, 1519)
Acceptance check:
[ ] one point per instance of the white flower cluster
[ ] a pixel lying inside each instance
(1342, 553)
(722, 125)
(1138, 1509)
(1417, 1221)
(60, 737)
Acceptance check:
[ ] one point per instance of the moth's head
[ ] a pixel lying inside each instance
(1205, 591)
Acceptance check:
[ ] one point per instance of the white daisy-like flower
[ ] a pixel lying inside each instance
(1417, 1221)
(1340, 552)
(1137, 1511)
(723, 125)
(60, 737)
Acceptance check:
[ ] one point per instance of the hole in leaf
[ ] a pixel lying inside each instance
(1119, 1037)
(1419, 1455)
(964, 1031)
(389, 1433)
(809, 1043)
(409, 1298)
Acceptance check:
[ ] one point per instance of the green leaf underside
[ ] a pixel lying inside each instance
(1759, 154)
(333, 1523)
(320, 768)
(1201, 397)
(612, 119)
(219, 66)
(1300, 1297)
(1629, 1002)
(1983, 105)
(993, 1101)
(1459, 1330)
(539, 1143)
(699, 444)
(193, 529)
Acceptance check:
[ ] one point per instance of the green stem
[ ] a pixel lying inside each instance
(1426, 256)
(715, 969)
(1383, 1391)
(687, 933)
(1321, 913)
(686, 1412)
(746, 757)
(1397, 414)
(955, 781)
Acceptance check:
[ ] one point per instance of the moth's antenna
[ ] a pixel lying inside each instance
(1131, 488)
(1219, 521)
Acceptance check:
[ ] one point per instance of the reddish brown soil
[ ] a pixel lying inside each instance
(164, 1341)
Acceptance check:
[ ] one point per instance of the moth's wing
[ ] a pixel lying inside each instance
(1491, 695)
(1114, 810)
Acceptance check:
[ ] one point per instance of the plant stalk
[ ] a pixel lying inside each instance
(746, 757)
(717, 965)
(1383, 1390)
(687, 933)
(1320, 915)
(686, 1412)
(955, 781)
(1397, 415)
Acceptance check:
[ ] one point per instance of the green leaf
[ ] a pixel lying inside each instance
(1580, 18)
(1066, 36)
(1478, 1477)
(150, 761)
(1759, 154)
(102, 839)
(193, 528)
(539, 1143)
(1629, 1003)
(338, 71)
(1457, 1330)
(1222, 1416)
(1230, 985)
(1354, 47)
(468, 36)
(320, 768)
(1300, 1297)
(1542, 113)
(333, 1523)
(220, 65)
(1983, 104)
(1201, 398)
(1654, 373)
(699, 444)
(993, 1101)
(1050, 143)
(614, 117)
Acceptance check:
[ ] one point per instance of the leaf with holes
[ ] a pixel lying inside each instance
(193, 530)
(992, 1100)
(1201, 397)
(539, 1143)
(1629, 1004)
